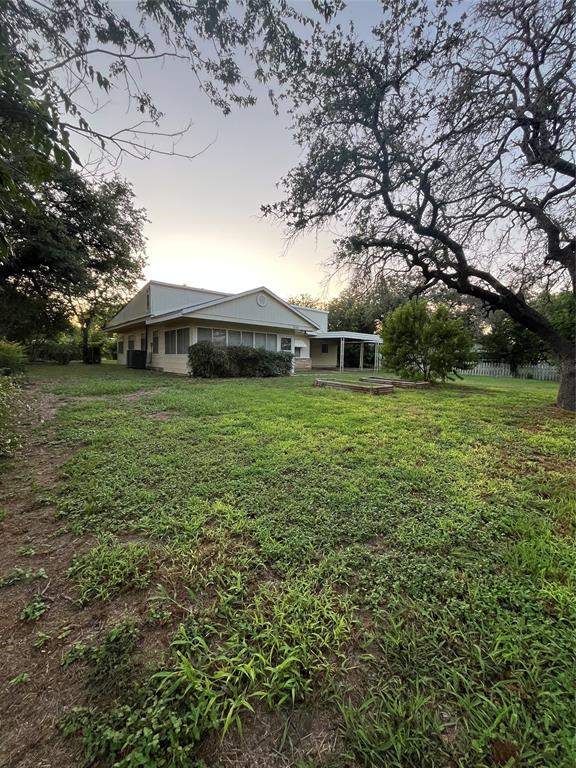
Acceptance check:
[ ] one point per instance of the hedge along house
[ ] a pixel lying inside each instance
(165, 319)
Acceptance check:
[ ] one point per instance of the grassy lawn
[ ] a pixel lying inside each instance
(290, 575)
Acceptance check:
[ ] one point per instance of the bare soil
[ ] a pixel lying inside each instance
(33, 539)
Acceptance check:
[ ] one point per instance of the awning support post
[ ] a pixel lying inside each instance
(361, 355)
(376, 361)
(342, 355)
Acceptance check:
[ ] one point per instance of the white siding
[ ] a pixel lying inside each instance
(168, 298)
(136, 309)
(318, 316)
(304, 343)
(247, 309)
(324, 359)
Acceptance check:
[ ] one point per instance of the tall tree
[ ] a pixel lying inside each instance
(79, 250)
(447, 147)
(60, 59)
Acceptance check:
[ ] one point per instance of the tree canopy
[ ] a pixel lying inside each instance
(445, 146)
(76, 253)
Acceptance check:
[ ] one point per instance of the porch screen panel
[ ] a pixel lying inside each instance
(182, 340)
(234, 338)
(218, 337)
(271, 342)
(247, 339)
(169, 342)
(260, 340)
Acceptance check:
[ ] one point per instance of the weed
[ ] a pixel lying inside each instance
(41, 639)
(110, 568)
(22, 575)
(22, 677)
(25, 551)
(76, 652)
(35, 609)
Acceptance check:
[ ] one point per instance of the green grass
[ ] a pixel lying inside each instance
(407, 562)
(110, 568)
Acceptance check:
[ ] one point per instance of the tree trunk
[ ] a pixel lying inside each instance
(567, 391)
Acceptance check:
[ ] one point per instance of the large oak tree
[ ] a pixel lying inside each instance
(446, 146)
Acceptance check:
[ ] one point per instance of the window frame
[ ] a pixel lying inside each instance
(120, 346)
(155, 342)
(170, 336)
(131, 342)
(282, 345)
(324, 348)
(179, 334)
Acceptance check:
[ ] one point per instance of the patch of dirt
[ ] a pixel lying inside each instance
(30, 711)
(160, 415)
(32, 540)
(269, 740)
(135, 396)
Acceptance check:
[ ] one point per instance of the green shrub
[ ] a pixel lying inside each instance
(424, 343)
(208, 361)
(62, 350)
(12, 357)
(246, 361)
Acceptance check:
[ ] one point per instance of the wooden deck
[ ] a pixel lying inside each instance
(373, 388)
(401, 383)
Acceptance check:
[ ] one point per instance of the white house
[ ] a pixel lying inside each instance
(165, 319)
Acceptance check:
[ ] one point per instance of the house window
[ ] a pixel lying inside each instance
(143, 341)
(247, 339)
(218, 337)
(260, 340)
(204, 334)
(286, 344)
(297, 351)
(155, 342)
(182, 340)
(234, 338)
(169, 342)
(130, 342)
(120, 347)
(271, 342)
(324, 349)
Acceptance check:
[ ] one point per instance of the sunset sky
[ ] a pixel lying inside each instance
(205, 227)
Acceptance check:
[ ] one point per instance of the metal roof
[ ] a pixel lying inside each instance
(347, 336)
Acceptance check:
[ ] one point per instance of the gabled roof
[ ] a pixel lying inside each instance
(200, 308)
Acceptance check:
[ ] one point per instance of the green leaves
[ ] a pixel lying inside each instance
(425, 343)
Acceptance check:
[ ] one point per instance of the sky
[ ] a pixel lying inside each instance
(206, 229)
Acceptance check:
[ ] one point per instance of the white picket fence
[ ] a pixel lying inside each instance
(540, 372)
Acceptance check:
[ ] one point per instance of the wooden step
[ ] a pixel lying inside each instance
(374, 388)
(401, 383)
